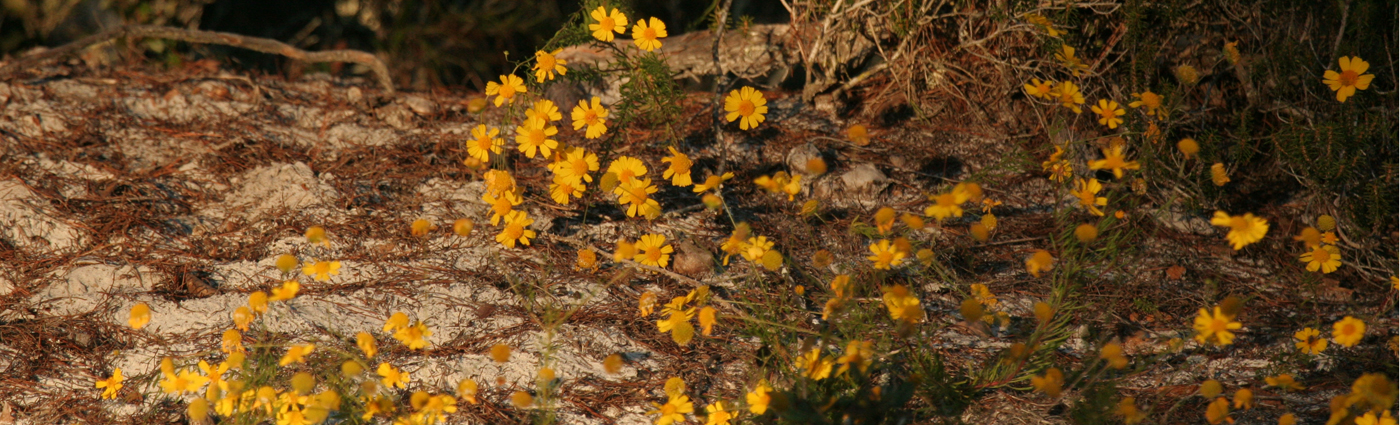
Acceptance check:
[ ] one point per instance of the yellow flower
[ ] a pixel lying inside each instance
(317, 235)
(1113, 353)
(242, 316)
(1370, 419)
(321, 270)
(717, 414)
(1218, 175)
(562, 188)
(858, 134)
(1040, 261)
(413, 336)
(1244, 229)
(886, 255)
(1043, 23)
(948, 204)
(366, 343)
(1109, 111)
(984, 295)
(646, 303)
(1188, 147)
(679, 171)
(466, 389)
(575, 166)
(516, 229)
(1069, 96)
(1113, 160)
(215, 374)
(1059, 168)
(902, 305)
(1128, 410)
(654, 251)
(484, 142)
(1352, 78)
(286, 263)
(607, 24)
(535, 135)
(673, 411)
(707, 320)
(1231, 52)
(296, 353)
(498, 182)
(1325, 257)
(1244, 398)
(396, 321)
(140, 316)
(1284, 381)
(1087, 190)
(1217, 325)
(1308, 341)
(392, 377)
(1348, 331)
(1218, 411)
(756, 247)
(546, 65)
(1066, 58)
(112, 384)
(506, 90)
(1040, 89)
(594, 116)
(627, 169)
(545, 110)
(287, 291)
(637, 196)
(759, 398)
(1151, 103)
(1187, 75)
(648, 37)
(231, 342)
(1050, 383)
(502, 205)
(183, 382)
(814, 365)
(858, 353)
(747, 103)
(712, 182)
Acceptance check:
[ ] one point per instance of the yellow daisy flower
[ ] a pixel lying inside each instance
(516, 229)
(576, 165)
(1069, 96)
(1050, 384)
(759, 398)
(506, 90)
(637, 196)
(562, 188)
(544, 110)
(484, 143)
(296, 354)
(392, 377)
(140, 316)
(1040, 89)
(607, 24)
(1348, 331)
(886, 255)
(1324, 257)
(679, 171)
(535, 135)
(1067, 58)
(546, 65)
(815, 366)
(1109, 111)
(627, 169)
(1352, 78)
(287, 291)
(1149, 102)
(673, 411)
(1218, 175)
(747, 103)
(1087, 191)
(594, 116)
(1040, 261)
(1113, 159)
(648, 35)
(654, 251)
(111, 385)
(322, 270)
(948, 204)
(1244, 229)
(1043, 23)
(1217, 325)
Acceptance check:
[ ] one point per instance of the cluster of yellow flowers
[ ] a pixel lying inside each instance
(1321, 245)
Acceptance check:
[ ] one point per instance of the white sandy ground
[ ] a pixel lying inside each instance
(356, 300)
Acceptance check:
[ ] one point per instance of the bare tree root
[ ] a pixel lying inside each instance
(264, 45)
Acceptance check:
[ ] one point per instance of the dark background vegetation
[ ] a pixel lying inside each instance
(428, 44)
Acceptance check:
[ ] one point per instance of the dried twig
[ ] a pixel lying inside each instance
(265, 45)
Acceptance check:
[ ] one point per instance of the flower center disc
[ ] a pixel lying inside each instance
(1348, 78)
(746, 108)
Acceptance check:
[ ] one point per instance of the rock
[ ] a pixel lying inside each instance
(1183, 222)
(420, 105)
(354, 95)
(797, 157)
(864, 181)
(396, 115)
(693, 261)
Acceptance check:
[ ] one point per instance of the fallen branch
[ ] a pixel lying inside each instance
(265, 45)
